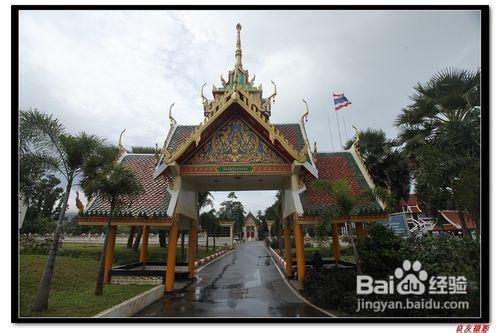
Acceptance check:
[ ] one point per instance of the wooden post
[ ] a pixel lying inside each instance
(171, 254)
(110, 251)
(335, 242)
(360, 232)
(299, 253)
(144, 245)
(192, 248)
(288, 249)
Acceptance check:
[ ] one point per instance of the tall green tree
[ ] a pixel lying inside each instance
(41, 205)
(208, 222)
(118, 185)
(45, 141)
(275, 213)
(384, 159)
(263, 231)
(440, 132)
(232, 210)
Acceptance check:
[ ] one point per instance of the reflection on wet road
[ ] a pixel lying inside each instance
(243, 283)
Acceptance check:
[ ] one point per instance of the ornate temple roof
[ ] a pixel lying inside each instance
(250, 217)
(336, 166)
(152, 202)
(237, 94)
(291, 132)
(238, 99)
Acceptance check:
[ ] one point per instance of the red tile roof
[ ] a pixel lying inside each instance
(336, 166)
(452, 221)
(293, 134)
(181, 133)
(154, 199)
(411, 204)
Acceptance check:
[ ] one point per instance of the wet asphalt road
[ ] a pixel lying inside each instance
(243, 283)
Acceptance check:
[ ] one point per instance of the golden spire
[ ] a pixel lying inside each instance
(238, 52)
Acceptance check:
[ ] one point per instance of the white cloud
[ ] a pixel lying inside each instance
(102, 71)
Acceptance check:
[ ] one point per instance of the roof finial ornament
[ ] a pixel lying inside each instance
(79, 204)
(205, 100)
(157, 156)
(172, 120)
(120, 144)
(238, 52)
(304, 116)
(273, 95)
(355, 144)
(224, 83)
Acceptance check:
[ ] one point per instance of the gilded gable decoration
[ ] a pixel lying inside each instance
(235, 142)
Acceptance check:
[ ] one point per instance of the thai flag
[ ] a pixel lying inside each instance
(340, 101)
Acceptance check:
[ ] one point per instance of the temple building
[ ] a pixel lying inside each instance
(250, 228)
(235, 147)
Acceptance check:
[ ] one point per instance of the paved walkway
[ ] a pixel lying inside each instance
(243, 283)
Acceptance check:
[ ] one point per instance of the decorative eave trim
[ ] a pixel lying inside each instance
(246, 104)
(171, 131)
(364, 171)
(136, 221)
(312, 169)
(309, 166)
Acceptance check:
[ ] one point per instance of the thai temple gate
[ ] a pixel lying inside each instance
(235, 147)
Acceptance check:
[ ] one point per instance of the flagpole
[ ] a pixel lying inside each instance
(331, 135)
(345, 129)
(338, 127)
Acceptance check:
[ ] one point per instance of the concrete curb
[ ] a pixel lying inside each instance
(209, 258)
(224, 253)
(134, 304)
(277, 258)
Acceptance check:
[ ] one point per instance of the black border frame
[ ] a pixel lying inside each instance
(485, 160)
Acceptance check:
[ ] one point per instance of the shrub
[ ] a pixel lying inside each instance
(29, 244)
(381, 252)
(333, 289)
(316, 260)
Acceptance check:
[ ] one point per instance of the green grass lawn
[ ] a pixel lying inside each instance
(75, 273)
(72, 288)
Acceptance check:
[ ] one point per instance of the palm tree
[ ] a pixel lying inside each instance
(345, 203)
(385, 161)
(440, 132)
(44, 140)
(118, 185)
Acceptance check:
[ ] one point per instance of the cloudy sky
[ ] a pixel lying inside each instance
(103, 71)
